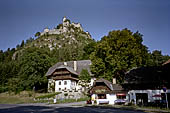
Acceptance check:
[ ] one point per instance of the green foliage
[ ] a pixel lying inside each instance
(85, 79)
(14, 85)
(85, 76)
(47, 95)
(118, 52)
(157, 59)
(8, 70)
(33, 66)
(65, 94)
(37, 34)
(28, 41)
(111, 57)
(22, 43)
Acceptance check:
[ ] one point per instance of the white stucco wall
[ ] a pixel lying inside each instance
(111, 98)
(92, 81)
(71, 85)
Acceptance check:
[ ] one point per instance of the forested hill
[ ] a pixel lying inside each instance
(24, 67)
(66, 41)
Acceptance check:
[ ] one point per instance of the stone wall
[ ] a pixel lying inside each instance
(70, 95)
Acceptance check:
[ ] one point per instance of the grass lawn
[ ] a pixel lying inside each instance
(23, 97)
(6, 98)
(28, 97)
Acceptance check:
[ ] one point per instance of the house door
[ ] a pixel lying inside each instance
(141, 98)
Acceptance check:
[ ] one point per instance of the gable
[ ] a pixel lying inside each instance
(99, 88)
(102, 86)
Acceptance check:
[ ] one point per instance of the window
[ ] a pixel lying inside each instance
(65, 82)
(59, 89)
(59, 83)
(121, 96)
(101, 96)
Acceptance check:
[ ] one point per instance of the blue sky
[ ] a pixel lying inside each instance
(21, 19)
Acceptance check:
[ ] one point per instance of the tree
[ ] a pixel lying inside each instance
(1, 56)
(34, 64)
(88, 49)
(157, 59)
(85, 76)
(117, 53)
(29, 40)
(22, 43)
(37, 34)
(8, 70)
(84, 79)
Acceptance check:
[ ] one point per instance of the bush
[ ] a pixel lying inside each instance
(47, 96)
(3, 89)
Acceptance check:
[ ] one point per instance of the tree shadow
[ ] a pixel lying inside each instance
(57, 109)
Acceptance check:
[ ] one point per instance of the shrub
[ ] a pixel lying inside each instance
(48, 95)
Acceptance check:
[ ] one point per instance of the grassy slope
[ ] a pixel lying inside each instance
(6, 98)
(28, 97)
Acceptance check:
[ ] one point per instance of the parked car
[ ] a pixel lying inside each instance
(120, 101)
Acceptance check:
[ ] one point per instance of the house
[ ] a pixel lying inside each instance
(64, 76)
(146, 84)
(103, 91)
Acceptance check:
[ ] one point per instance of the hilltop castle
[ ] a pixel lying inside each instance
(64, 27)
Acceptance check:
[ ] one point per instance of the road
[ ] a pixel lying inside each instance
(60, 108)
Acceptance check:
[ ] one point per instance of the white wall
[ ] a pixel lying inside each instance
(150, 93)
(71, 85)
(62, 86)
(92, 81)
(111, 98)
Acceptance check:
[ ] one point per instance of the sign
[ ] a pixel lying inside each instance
(121, 94)
(164, 89)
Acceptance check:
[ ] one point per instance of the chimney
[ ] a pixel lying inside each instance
(65, 63)
(75, 65)
(114, 80)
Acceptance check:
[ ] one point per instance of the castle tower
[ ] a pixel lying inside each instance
(46, 30)
(64, 19)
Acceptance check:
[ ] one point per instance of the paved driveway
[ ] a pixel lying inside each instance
(59, 108)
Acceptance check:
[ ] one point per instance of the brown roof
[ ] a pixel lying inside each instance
(64, 78)
(108, 83)
(112, 87)
(82, 64)
(68, 68)
(167, 62)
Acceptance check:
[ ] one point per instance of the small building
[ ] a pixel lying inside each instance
(103, 91)
(145, 85)
(63, 76)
